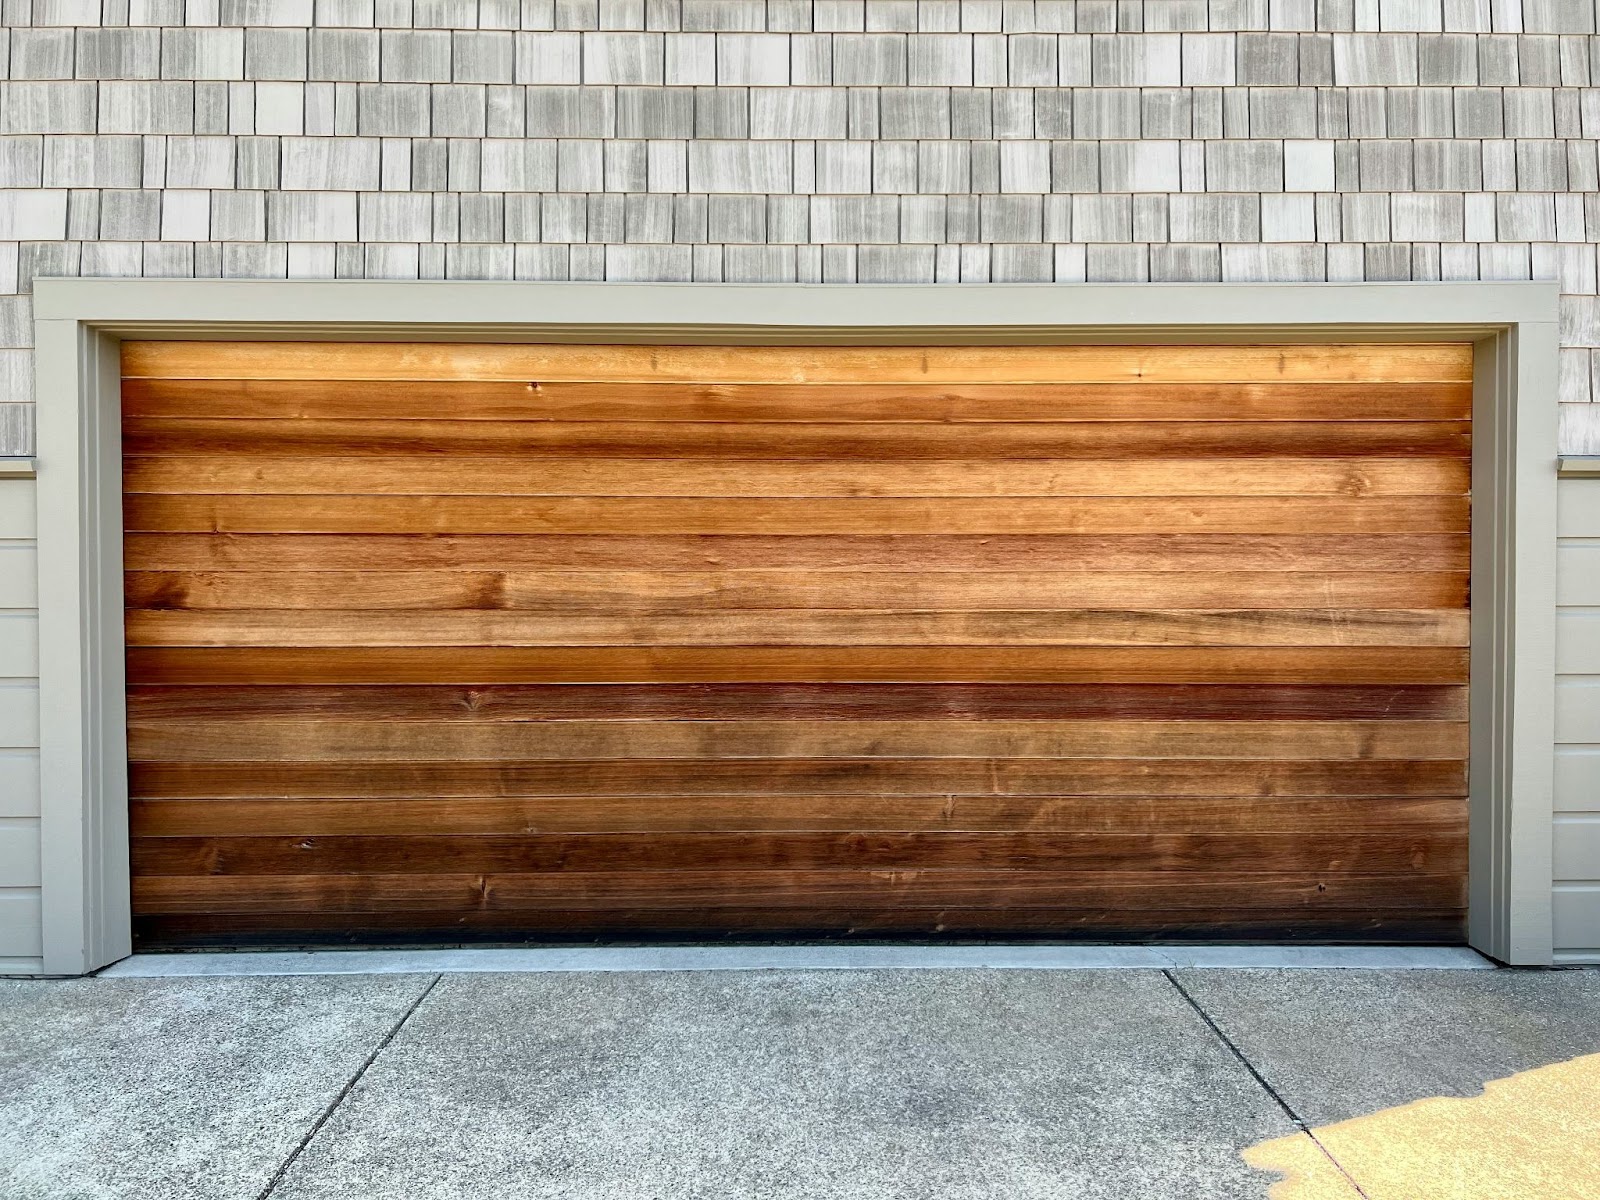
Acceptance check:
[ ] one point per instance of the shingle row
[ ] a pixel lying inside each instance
(843, 59)
(634, 164)
(557, 110)
(248, 216)
(984, 16)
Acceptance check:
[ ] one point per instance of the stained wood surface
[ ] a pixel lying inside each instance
(444, 642)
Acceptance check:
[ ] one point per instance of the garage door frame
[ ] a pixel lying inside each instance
(79, 325)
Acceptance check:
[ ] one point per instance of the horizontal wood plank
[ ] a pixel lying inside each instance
(1132, 890)
(779, 664)
(871, 517)
(804, 627)
(1084, 553)
(1290, 923)
(707, 592)
(1216, 816)
(256, 399)
(528, 475)
(1084, 855)
(202, 437)
(790, 777)
(337, 739)
(529, 363)
(811, 702)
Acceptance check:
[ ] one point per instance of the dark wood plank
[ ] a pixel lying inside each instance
(1290, 923)
(1081, 855)
(800, 777)
(691, 889)
(1373, 816)
(812, 702)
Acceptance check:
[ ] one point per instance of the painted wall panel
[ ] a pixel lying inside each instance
(1578, 571)
(1578, 779)
(19, 578)
(19, 714)
(16, 508)
(1577, 842)
(1577, 920)
(19, 922)
(19, 644)
(1578, 508)
(1578, 711)
(1578, 641)
(19, 852)
(19, 783)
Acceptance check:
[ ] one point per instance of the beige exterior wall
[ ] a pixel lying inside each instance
(19, 730)
(1577, 828)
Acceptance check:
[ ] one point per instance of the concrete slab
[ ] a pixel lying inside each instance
(794, 958)
(171, 1090)
(1338, 1045)
(925, 1085)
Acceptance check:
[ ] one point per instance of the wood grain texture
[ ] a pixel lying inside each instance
(804, 627)
(785, 777)
(717, 591)
(1385, 852)
(526, 475)
(733, 889)
(1215, 816)
(896, 403)
(319, 361)
(810, 702)
(489, 642)
(1376, 924)
(783, 664)
(1155, 552)
(201, 437)
(806, 517)
(458, 741)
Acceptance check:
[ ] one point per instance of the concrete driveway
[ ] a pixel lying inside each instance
(913, 1084)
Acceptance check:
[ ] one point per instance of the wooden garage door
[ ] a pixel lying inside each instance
(546, 642)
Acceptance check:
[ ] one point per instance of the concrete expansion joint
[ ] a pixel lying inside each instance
(349, 1086)
(1300, 1123)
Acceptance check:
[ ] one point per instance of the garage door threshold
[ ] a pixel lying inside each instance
(793, 958)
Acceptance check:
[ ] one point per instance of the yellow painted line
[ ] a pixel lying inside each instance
(1534, 1136)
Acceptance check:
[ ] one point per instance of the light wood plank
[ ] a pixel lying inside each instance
(896, 402)
(646, 592)
(803, 627)
(1079, 553)
(379, 741)
(1331, 363)
(476, 475)
(871, 517)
